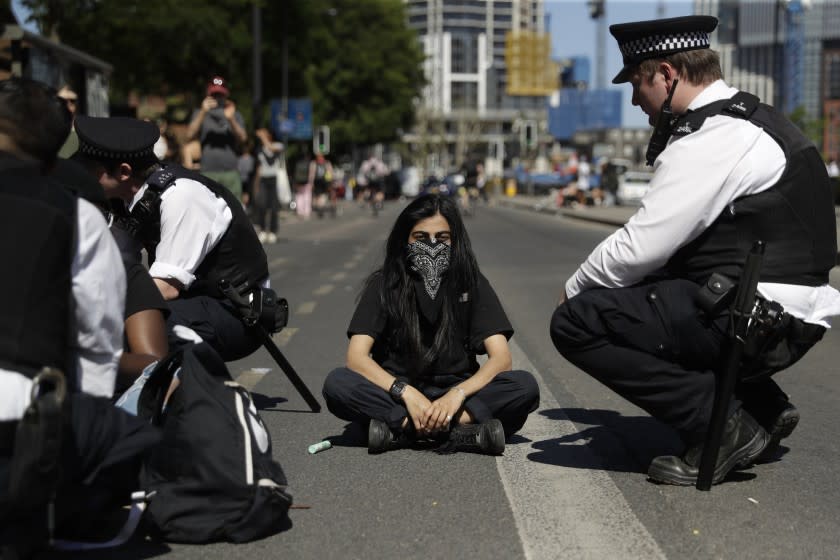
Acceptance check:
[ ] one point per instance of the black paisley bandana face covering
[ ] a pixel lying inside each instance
(430, 261)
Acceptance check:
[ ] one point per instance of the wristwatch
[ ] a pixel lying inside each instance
(397, 389)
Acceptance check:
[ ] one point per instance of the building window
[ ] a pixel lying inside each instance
(832, 74)
(464, 95)
(459, 63)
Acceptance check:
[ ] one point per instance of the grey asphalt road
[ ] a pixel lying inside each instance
(571, 485)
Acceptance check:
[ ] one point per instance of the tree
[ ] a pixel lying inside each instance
(356, 59)
(155, 46)
(366, 71)
(811, 128)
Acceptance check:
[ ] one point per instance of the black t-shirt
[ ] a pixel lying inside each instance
(486, 317)
(141, 292)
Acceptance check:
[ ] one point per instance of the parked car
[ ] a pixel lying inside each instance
(632, 186)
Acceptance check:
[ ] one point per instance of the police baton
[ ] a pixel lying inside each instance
(739, 318)
(265, 338)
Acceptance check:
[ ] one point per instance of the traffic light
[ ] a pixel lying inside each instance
(322, 140)
(530, 134)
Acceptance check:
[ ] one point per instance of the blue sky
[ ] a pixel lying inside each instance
(573, 33)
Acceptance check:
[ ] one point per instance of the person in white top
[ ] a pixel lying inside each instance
(733, 171)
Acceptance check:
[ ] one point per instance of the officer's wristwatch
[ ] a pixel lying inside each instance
(397, 389)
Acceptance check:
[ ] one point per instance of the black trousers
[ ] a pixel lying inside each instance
(510, 397)
(268, 204)
(214, 320)
(651, 345)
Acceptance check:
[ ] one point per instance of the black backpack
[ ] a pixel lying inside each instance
(212, 477)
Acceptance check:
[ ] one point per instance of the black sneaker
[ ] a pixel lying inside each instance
(381, 438)
(487, 438)
(743, 442)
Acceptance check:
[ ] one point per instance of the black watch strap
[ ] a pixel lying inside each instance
(397, 389)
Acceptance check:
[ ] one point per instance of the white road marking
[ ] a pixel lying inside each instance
(282, 338)
(323, 290)
(564, 511)
(249, 378)
(278, 261)
(339, 276)
(306, 308)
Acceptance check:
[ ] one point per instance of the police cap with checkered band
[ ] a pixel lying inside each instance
(658, 38)
(116, 138)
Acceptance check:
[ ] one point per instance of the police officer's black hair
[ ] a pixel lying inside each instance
(398, 295)
(34, 117)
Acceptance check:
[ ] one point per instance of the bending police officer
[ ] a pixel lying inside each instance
(195, 231)
(728, 170)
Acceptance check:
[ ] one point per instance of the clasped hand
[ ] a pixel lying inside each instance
(430, 417)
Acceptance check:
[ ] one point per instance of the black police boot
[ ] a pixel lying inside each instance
(381, 438)
(743, 441)
(780, 428)
(487, 437)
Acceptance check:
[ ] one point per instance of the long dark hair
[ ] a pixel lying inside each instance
(398, 295)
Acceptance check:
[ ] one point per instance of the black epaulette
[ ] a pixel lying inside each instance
(161, 180)
(144, 220)
(741, 105)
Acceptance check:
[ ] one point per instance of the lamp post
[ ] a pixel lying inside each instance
(256, 32)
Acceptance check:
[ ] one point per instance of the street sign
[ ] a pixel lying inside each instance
(298, 124)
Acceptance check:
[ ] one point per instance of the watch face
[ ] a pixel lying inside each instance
(397, 389)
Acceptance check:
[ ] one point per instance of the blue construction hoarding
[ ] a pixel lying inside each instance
(584, 110)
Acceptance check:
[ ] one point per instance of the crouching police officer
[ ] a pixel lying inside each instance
(197, 235)
(728, 170)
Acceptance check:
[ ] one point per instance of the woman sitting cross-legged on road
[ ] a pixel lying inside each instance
(412, 372)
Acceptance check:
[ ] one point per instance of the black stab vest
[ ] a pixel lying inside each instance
(238, 258)
(37, 244)
(795, 217)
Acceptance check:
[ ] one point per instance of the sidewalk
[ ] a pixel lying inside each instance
(611, 215)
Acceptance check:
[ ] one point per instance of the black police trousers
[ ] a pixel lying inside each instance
(651, 345)
(216, 322)
(510, 397)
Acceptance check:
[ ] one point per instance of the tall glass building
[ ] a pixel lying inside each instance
(785, 51)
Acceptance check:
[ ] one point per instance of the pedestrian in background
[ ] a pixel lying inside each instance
(321, 176)
(266, 184)
(220, 129)
(303, 186)
(71, 100)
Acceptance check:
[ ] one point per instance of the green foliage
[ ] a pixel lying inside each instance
(356, 59)
(155, 46)
(811, 128)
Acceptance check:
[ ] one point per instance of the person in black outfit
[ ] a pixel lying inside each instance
(195, 232)
(728, 171)
(411, 368)
(66, 454)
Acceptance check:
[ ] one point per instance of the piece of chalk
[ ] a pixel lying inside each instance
(320, 446)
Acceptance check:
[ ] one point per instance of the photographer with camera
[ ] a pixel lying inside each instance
(220, 129)
(195, 232)
(647, 313)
